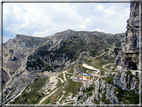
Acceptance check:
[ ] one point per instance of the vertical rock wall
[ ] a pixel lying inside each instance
(130, 50)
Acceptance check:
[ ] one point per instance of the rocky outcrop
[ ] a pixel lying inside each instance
(15, 53)
(18, 85)
(111, 90)
(5, 78)
(129, 56)
(120, 81)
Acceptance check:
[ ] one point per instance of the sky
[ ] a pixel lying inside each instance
(46, 19)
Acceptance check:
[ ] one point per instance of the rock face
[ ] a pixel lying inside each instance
(15, 53)
(122, 85)
(5, 79)
(120, 88)
(130, 52)
(68, 47)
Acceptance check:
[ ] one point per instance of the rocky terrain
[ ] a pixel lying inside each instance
(122, 84)
(15, 53)
(25, 58)
(34, 68)
(130, 48)
(65, 47)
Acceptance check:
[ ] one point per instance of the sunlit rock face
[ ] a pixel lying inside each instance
(130, 43)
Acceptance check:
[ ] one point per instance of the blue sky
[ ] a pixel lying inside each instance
(45, 19)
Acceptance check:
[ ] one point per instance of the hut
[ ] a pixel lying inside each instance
(85, 76)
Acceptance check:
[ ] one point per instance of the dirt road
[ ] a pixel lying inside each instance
(44, 98)
(107, 65)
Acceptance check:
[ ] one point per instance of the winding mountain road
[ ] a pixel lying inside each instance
(107, 65)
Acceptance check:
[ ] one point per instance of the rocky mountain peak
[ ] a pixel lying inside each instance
(18, 36)
(64, 35)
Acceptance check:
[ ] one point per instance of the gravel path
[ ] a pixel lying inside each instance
(58, 102)
(60, 79)
(54, 78)
(107, 65)
(100, 55)
(44, 98)
(64, 75)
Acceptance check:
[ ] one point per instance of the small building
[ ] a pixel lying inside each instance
(85, 76)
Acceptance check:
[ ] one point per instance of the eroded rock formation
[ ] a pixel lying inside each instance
(129, 57)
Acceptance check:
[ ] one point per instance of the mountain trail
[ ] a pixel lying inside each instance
(107, 65)
(60, 79)
(64, 75)
(44, 98)
(100, 55)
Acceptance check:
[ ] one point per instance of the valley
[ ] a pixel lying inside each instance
(59, 83)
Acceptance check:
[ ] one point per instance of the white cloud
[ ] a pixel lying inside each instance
(45, 19)
(100, 7)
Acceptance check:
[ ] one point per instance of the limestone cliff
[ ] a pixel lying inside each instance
(129, 57)
(122, 85)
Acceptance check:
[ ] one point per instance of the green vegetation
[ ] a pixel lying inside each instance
(34, 96)
(129, 73)
(47, 68)
(106, 49)
(68, 76)
(128, 97)
(102, 73)
(34, 64)
(48, 101)
(116, 50)
(89, 90)
(108, 80)
(109, 59)
(98, 63)
(108, 67)
(82, 69)
(96, 101)
(61, 76)
(72, 87)
(88, 61)
(54, 97)
(71, 68)
(104, 99)
(93, 53)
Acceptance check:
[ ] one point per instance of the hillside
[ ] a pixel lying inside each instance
(27, 58)
(66, 46)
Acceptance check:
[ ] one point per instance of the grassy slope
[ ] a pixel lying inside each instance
(33, 96)
(71, 87)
